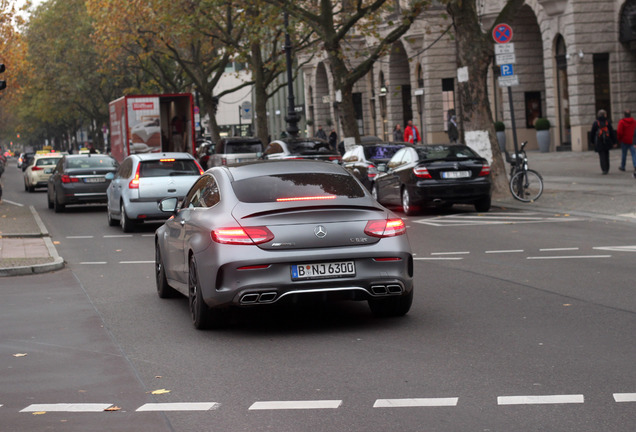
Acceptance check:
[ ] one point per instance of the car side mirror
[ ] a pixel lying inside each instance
(109, 176)
(382, 168)
(168, 205)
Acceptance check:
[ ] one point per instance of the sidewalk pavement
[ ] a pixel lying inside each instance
(573, 184)
(25, 245)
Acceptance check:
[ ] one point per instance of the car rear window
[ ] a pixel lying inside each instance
(296, 187)
(381, 152)
(46, 161)
(310, 147)
(168, 167)
(239, 147)
(446, 152)
(92, 162)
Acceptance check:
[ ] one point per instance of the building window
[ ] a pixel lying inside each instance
(533, 108)
(448, 99)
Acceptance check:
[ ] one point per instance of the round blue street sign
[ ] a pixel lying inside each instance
(502, 33)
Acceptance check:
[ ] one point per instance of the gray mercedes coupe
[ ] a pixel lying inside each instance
(258, 233)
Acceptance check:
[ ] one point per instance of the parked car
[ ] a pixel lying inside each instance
(435, 175)
(236, 150)
(22, 158)
(142, 180)
(79, 179)
(363, 160)
(258, 233)
(37, 174)
(364, 139)
(301, 148)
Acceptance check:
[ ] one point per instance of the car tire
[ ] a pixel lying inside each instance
(483, 205)
(391, 306)
(48, 200)
(201, 314)
(163, 289)
(111, 220)
(127, 225)
(30, 188)
(407, 206)
(57, 206)
(26, 187)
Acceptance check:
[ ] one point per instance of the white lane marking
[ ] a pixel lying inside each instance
(625, 397)
(183, 406)
(118, 236)
(309, 404)
(438, 259)
(490, 219)
(80, 237)
(67, 407)
(450, 253)
(538, 400)
(147, 235)
(568, 257)
(558, 249)
(415, 402)
(617, 248)
(136, 262)
(504, 251)
(92, 262)
(14, 203)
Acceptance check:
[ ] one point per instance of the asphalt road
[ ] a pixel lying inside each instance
(521, 321)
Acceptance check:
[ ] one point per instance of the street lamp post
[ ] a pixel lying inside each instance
(292, 117)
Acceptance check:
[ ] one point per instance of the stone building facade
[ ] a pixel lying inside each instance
(573, 57)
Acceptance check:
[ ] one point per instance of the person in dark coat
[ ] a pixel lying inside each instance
(602, 148)
(321, 133)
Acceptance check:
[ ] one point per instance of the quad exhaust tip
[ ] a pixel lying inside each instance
(380, 290)
(252, 298)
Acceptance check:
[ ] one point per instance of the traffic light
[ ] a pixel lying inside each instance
(3, 84)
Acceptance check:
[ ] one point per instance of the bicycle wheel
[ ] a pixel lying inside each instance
(526, 186)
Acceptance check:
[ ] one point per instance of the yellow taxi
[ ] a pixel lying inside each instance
(37, 174)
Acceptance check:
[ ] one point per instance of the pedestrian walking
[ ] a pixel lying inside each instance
(321, 133)
(333, 138)
(398, 135)
(411, 134)
(603, 136)
(625, 134)
(453, 132)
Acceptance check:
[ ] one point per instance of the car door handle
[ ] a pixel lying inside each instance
(172, 190)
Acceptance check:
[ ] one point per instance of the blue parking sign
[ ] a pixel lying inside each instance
(506, 70)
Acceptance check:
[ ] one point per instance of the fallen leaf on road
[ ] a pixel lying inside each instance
(567, 304)
(160, 391)
(38, 412)
(113, 408)
(56, 242)
(20, 355)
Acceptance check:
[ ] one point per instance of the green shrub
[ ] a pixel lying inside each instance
(500, 126)
(542, 124)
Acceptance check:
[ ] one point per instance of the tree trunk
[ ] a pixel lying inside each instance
(347, 110)
(260, 94)
(474, 52)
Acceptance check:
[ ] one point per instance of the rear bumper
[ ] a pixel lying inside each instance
(456, 192)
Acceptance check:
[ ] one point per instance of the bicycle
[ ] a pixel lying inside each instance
(526, 184)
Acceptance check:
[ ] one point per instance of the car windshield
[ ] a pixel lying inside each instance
(446, 152)
(380, 152)
(243, 147)
(309, 147)
(296, 187)
(92, 162)
(168, 167)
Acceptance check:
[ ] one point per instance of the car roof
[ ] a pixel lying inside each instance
(300, 139)
(242, 139)
(49, 155)
(158, 156)
(263, 168)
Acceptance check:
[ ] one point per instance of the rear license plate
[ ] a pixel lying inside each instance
(323, 270)
(455, 174)
(94, 180)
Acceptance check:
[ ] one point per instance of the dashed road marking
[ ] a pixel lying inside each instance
(559, 249)
(183, 406)
(67, 407)
(504, 251)
(136, 262)
(93, 262)
(415, 402)
(80, 237)
(539, 400)
(625, 397)
(450, 253)
(288, 405)
(567, 257)
(492, 218)
(118, 236)
(617, 248)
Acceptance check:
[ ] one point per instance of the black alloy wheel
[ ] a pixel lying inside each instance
(163, 289)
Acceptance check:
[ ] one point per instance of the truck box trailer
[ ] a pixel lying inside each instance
(151, 124)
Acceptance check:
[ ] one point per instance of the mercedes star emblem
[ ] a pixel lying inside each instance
(320, 231)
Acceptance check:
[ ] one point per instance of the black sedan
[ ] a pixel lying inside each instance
(257, 233)
(435, 175)
(364, 160)
(79, 179)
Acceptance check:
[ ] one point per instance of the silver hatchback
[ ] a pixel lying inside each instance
(142, 180)
(258, 233)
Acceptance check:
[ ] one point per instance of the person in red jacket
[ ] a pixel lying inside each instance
(411, 134)
(625, 135)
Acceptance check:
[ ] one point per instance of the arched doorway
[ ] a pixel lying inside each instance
(400, 102)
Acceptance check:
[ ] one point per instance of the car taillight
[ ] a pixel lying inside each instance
(422, 172)
(223, 161)
(201, 171)
(307, 198)
(36, 169)
(485, 170)
(372, 172)
(242, 236)
(134, 183)
(68, 179)
(385, 228)
(335, 158)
